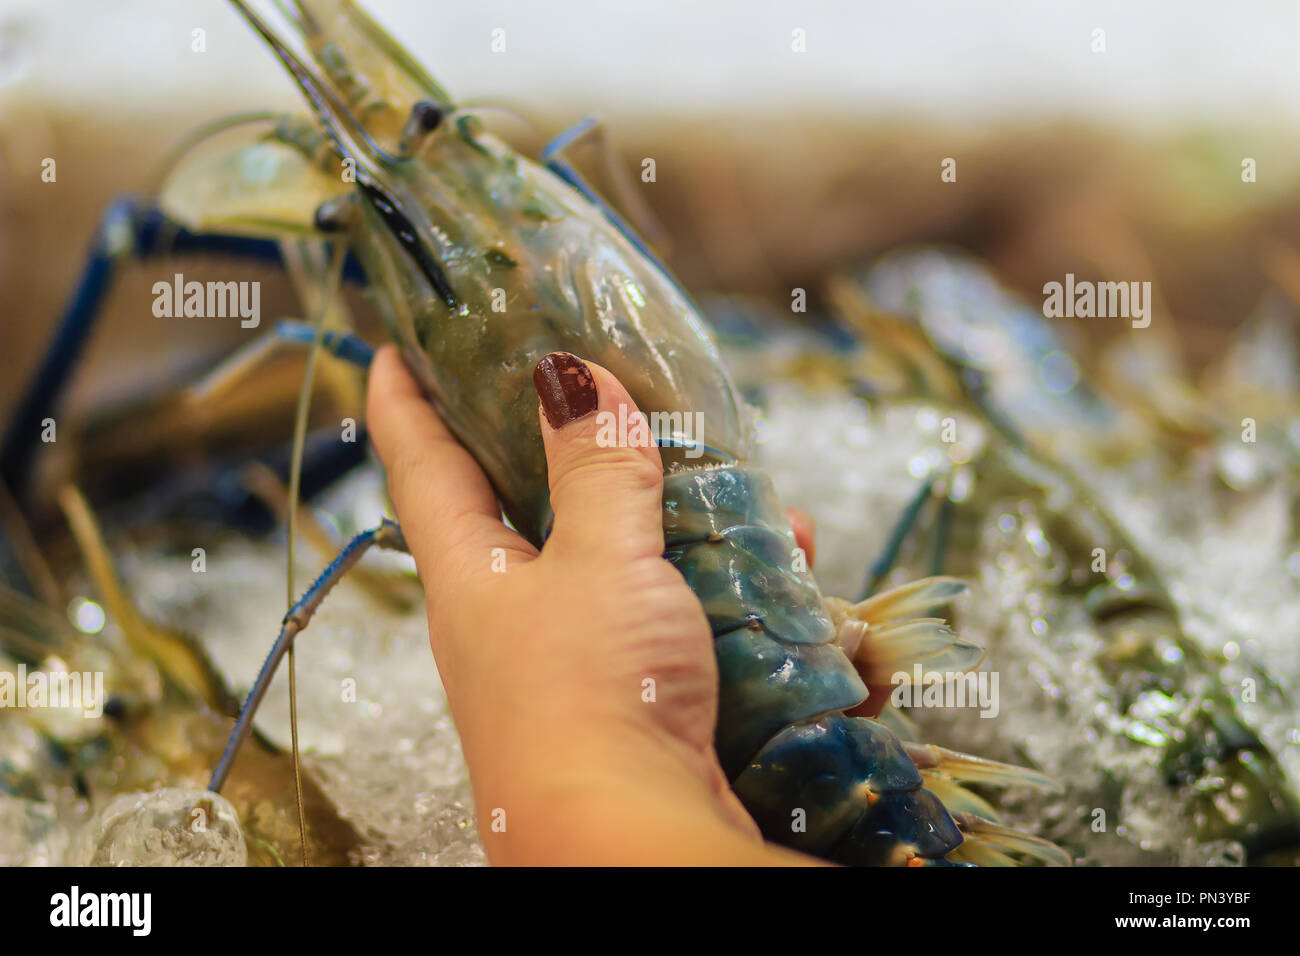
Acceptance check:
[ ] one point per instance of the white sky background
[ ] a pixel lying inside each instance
(1166, 62)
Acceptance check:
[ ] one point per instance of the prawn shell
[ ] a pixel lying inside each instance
(698, 504)
(828, 769)
(915, 820)
(766, 684)
(745, 576)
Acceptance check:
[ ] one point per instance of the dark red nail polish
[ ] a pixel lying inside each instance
(566, 387)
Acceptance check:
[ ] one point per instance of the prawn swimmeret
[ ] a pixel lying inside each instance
(481, 261)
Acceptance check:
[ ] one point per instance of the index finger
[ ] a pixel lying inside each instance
(444, 502)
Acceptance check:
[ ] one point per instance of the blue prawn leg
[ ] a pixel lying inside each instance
(554, 159)
(342, 345)
(130, 228)
(388, 535)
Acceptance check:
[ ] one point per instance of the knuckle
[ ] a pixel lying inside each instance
(618, 469)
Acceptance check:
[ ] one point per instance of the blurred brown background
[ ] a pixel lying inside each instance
(772, 170)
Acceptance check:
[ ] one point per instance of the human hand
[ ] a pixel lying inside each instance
(544, 664)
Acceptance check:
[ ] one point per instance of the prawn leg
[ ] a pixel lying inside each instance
(287, 332)
(553, 158)
(388, 535)
(130, 229)
(903, 526)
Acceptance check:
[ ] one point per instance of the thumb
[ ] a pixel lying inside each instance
(605, 472)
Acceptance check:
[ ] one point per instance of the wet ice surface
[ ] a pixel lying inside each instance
(31, 833)
(852, 468)
(1232, 562)
(169, 827)
(377, 736)
(1231, 566)
(374, 728)
(1056, 709)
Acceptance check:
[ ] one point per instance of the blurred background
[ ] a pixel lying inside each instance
(774, 167)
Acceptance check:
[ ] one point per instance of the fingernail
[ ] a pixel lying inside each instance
(566, 387)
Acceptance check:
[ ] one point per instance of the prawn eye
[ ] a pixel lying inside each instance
(427, 115)
(335, 215)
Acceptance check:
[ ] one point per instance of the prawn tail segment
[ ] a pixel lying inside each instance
(813, 777)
